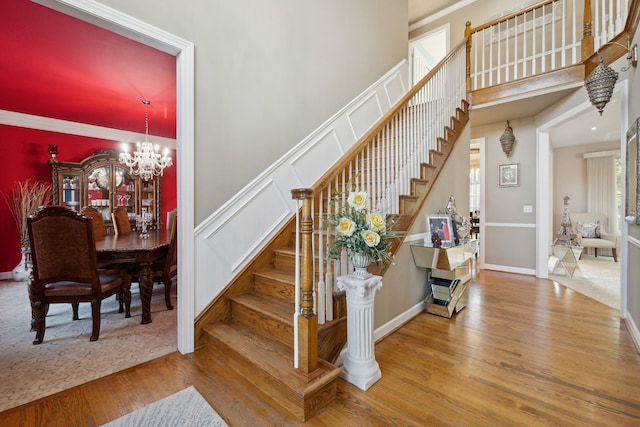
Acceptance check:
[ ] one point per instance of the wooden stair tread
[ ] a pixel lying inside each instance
(283, 276)
(267, 305)
(270, 356)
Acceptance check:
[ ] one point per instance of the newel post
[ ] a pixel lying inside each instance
(467, 35)
(307, 321)
(587, 33)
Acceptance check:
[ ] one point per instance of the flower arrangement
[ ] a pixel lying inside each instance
(360, 230)
(27, 197)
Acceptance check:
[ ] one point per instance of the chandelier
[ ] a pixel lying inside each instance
(146, 161)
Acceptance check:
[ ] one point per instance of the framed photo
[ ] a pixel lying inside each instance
(509, 175)
(443, 227)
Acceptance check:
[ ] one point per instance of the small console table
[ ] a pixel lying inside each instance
(450, 270)
(568, 257)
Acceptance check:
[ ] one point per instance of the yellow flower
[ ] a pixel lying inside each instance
(346, 227)
(357, 200)
(371, 238)
(376, 222)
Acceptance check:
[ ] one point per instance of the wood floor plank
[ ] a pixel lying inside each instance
(524, 351)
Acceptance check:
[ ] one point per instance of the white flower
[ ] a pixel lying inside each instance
(376, 222)
(357, 200)
(346, 227)
(371, 238)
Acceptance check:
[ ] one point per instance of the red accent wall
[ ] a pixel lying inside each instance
(23, 155)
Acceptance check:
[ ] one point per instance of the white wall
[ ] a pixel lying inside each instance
(269, 73)
(570, 178)
(509, 236)
(632, 256)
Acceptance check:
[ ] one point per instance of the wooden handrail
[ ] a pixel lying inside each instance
(384, 121)
(613, 51)
(509, 16)
(383, 162)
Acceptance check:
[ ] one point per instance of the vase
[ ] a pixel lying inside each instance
(22, 271)
(360, 262)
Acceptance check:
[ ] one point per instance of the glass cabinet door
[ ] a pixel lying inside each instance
(98, 190)
(125, 191)
(71, 197)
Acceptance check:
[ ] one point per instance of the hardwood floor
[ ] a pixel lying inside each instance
(523, 352)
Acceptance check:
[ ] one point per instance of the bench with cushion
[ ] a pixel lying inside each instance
(591, 231)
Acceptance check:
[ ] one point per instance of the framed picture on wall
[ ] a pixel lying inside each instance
(509, 175)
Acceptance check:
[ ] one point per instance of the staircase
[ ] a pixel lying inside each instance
(255, 340)
(246, 336)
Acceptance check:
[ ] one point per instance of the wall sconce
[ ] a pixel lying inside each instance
(602, 79)
(507, 139)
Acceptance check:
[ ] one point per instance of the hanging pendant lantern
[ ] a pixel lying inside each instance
(600, 84)
(507, 140)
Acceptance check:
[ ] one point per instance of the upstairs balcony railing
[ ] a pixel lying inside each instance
(546, 36)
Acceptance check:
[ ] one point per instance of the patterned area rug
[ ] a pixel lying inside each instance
(67, 358)
(184, 408)
(598, 278)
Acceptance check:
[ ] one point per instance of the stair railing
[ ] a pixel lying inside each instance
(543, 37)
(382, 163)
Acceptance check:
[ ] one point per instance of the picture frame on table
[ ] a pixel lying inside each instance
(443, 226)
(509, 175)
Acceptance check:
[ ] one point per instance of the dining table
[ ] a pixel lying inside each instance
(139, 251)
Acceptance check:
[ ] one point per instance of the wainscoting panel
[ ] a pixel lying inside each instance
(227, 240)
(365, 115)
(306, 166)
(395, 88)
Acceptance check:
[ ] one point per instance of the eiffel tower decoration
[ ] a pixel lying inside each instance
(565, 236)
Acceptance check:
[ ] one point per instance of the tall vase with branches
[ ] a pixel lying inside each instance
(27, 196)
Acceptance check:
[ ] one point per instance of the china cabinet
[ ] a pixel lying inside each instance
(102, 182)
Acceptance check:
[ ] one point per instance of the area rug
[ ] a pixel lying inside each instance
(184, 408)
(597, 278)
(67, 358)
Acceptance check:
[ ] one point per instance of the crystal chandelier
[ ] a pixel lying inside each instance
(146, 161)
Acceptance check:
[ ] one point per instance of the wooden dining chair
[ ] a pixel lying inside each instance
(166, 269)
(121, 223)
(171, 217)
(97, 221)
(65, 268)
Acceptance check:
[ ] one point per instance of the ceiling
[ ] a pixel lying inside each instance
(61, 67)
(420, 9)
(68, 69)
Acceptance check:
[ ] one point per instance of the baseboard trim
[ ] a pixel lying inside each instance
(6, 275)
(633, 330)
(509, 269)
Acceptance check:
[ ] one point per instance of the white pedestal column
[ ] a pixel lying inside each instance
(360, 367)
